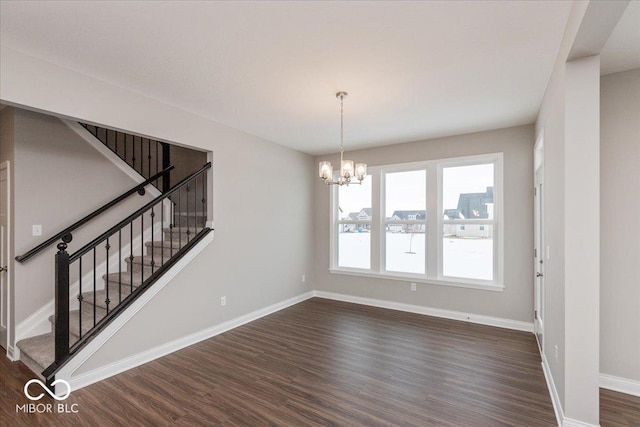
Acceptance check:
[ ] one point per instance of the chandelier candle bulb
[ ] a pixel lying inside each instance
(361, 171)
(325, 171)
(347, 168)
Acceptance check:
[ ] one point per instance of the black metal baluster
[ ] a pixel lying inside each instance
(125, 147)
(133, 151)
(188, 229)
(149, 157)
(80, 297)
(94, 287)
(131, 255)
(162, 231)
(142, 247)
(204, 199)
(107, 301)
(195, 203)
(157, 162)
(172, 221)
(117, 144)
(180, 216)
(166, 161)
(119, 266)
(153, 263)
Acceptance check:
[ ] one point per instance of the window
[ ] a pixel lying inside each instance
(405, 200)
(354, 225)
(437, 222)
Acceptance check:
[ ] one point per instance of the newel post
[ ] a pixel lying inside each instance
(62, 302)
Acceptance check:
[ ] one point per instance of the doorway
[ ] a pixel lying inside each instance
(539, 242)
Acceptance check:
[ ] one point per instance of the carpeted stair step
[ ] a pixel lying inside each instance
(142, 265)
(101, 299)
(38, 352)
(168, 248)
(123, 277)
(179, 234)
(74, 324)
(197, 219)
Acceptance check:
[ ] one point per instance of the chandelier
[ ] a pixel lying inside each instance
(347, 170)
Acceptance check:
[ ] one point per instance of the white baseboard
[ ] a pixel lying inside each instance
(102, 373)
(562, 420)
(430, 311)
(553, 392)
(622, 385)
(568, 422)
(13, 353)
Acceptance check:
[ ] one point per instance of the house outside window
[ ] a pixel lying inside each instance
(398, 233)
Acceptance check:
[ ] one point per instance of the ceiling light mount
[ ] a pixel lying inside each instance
(347, 169)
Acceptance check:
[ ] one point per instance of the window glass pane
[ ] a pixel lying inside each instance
(467, 251)
(467, 192)
(354, 240)
(405, 250)
(354, 201)
(354, 245)
(405, 195)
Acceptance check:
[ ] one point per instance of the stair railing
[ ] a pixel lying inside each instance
(66, 235)
(123, 288)
(145, 155)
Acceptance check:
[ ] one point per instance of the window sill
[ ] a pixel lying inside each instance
(409, 278)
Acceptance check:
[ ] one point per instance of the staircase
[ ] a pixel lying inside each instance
(38, 352)
(143, 245)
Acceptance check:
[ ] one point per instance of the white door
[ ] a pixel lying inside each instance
(539, 255)
(4, 255)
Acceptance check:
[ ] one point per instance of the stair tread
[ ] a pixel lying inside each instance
(146, 260)
(124, 277)
(74, 325)
(175, 244)
(39, 348)
(101, 297)
(183, 230)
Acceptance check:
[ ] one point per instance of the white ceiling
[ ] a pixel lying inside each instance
(622, 51)
(414, 70)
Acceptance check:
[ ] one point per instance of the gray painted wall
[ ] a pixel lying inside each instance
(516, 301)
(58, 178)
(620, 225)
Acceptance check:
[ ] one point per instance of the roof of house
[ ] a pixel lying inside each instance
(404, 215)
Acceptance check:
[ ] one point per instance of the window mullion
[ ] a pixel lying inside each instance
(377, 220)
(434, 229)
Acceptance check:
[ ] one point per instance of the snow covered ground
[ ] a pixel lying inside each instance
(465, 258)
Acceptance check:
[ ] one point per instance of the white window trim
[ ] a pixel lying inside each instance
(433, 223)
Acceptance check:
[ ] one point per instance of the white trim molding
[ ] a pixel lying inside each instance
(102, 373)
(622, 385)
(430, 311)
(562, 420)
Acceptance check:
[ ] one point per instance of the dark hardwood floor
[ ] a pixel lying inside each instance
(326, 363)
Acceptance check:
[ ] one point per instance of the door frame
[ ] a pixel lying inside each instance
(539, 242)
(6, 165)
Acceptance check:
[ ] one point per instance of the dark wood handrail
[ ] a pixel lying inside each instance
(86, 248)
(65, 234)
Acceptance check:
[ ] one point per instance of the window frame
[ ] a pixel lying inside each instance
(434, 224)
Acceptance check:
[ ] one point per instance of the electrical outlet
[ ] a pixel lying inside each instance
(413, 287)
(223, 301)
(304, 278)
(36, 230)
(555, 352)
